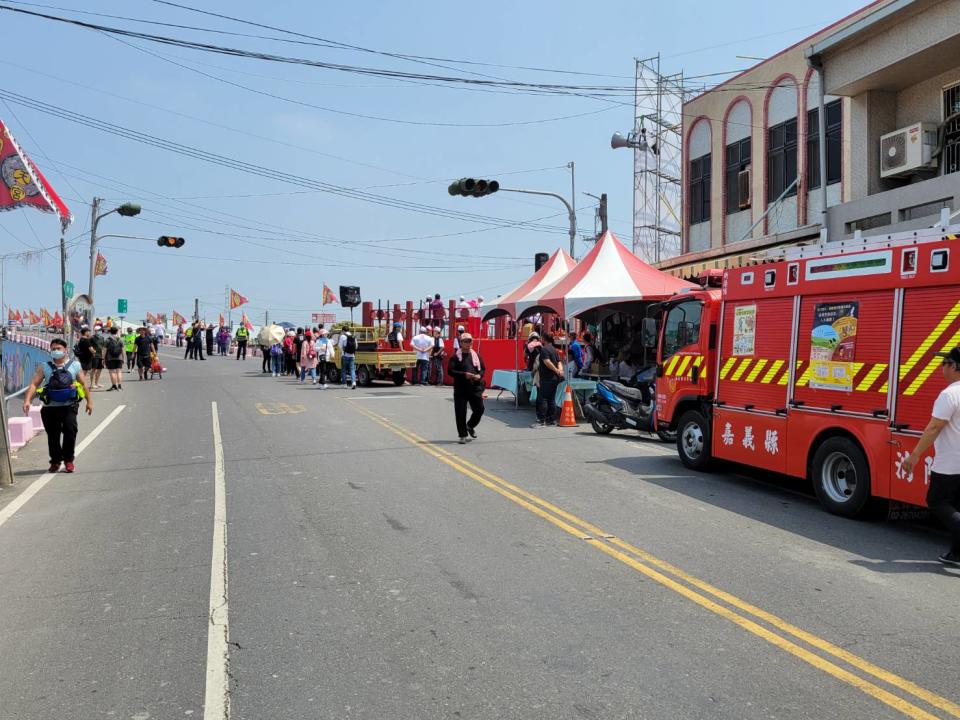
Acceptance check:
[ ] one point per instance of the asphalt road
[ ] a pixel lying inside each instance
(376, 569)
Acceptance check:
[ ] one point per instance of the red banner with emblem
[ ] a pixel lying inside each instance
(22, 184)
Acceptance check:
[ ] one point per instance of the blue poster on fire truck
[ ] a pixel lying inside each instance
(833, 342)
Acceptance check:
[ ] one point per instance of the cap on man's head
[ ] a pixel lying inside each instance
(534, 334)
(460, 328)
(953, 356)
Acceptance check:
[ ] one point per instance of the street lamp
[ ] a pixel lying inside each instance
(470, 187)
(128, 209)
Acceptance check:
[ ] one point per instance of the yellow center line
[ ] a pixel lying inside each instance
(602, 541)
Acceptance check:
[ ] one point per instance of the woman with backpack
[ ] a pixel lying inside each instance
(276, 358)
(113, 358)
(56, 383)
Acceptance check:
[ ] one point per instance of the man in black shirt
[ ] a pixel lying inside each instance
(548, 373)
(467, 370)
(144, 346)
(97, 341)
(84, 350)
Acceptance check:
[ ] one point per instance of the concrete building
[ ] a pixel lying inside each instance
(752, 177)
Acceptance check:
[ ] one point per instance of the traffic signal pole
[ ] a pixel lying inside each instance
(570, 212)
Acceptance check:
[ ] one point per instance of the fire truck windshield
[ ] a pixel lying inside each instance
(682, 327)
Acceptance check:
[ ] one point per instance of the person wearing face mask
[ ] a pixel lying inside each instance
(56, 384)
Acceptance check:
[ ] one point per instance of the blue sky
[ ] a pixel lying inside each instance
(278, 243)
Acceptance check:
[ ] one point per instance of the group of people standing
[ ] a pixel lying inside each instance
(302, 353)
(198, 334)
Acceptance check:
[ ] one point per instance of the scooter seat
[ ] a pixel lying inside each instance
(624, 391)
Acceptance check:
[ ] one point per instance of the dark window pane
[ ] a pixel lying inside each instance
(733, 190)
(775, 164)
(790, 132)
(790, 168)
(834, 114)
(833, 157)
(813, 164)
(776, 137)
(745, 151)
(733, 154)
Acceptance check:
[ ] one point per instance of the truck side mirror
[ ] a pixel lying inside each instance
(648, 333)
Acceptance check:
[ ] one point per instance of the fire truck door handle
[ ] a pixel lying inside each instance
(695, 374)
(780, 411)
(797, 403)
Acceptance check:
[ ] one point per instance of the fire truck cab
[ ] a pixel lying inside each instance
(821, 364)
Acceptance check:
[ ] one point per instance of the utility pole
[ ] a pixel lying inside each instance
(94, 210)
(196, 309)
(6, 467)
(604, 226)
(266, 318)
(67, 326)
(572, 206)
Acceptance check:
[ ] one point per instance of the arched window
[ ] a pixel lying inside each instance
(782, 139)
(698, 173)
(737, 157)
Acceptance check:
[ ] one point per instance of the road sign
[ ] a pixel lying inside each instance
(121, 306)
(68, 289)
(322, 317)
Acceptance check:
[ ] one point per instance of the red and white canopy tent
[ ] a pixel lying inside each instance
(608, 274)
(529, 292)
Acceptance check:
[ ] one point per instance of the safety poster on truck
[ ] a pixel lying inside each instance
(833, 342)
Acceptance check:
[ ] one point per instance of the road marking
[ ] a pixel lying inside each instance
(280, 408)
(645, 563)
(216, 703)
(376, 397)
(38, 485)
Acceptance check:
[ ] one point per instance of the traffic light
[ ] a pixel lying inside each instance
(473, 187)
(170, 241)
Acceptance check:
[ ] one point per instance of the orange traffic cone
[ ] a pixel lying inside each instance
(568, 417)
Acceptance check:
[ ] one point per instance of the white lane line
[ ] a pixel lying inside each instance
(216, 704)
(24, 497)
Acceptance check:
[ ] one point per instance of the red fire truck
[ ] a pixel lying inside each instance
(821, 364)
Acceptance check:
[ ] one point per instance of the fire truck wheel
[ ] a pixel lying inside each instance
(841, 477)
(693, 440)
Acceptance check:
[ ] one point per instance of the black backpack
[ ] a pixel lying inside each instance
(350, 346)
(60, 388)
(114, 348)
(392, 339)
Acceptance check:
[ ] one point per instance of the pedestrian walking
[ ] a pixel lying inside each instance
(83, 350)
(61, 384)
(423, 344)
(130, 348)
(96, 340)
(943, 432)
(437, 354)
(348, 359)
(113, 358)
(467, 370)
(297, 345)
(180, 335)
(209, 338)
(308, 358)
(243, 334)
(547, 374)
(324, 350)
(159, 332)
(144, 346)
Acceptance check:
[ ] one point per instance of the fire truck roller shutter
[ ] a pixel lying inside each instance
(754, 369)
(843, 350)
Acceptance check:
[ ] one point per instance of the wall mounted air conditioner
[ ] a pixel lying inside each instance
(908, 150)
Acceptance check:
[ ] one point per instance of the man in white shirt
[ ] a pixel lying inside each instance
(158, 332)
(423, 344)
(943, 432)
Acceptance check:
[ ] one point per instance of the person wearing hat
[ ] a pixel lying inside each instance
(324, 349)
(395, 337)
(456, 340)
(348, 358)
(423, 344)
(467, 370)
(437, 353)
(943, 433)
